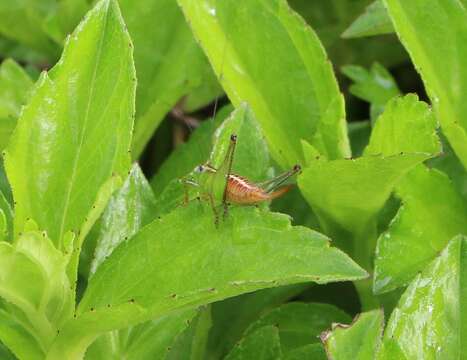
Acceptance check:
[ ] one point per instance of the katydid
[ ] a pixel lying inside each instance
(221, 186)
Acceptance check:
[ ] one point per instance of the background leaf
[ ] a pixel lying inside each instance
(263, 344)
(15, 85)
(374, 21)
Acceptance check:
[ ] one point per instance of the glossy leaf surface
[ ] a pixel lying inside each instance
(76, 130)
(305, 104)
(421, 229)
(430, 319)
(434, 32)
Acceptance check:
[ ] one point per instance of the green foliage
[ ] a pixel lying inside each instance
(98, 262)
(359, 340)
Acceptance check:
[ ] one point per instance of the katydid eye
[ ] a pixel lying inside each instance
(200, 169)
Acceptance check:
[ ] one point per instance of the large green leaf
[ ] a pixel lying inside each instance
(184, 260)
(360, 340)
(432, 213)
(169, 63)
(434, 32)
(263, 344)
(15, 85)
(35, 285)
(374, 21)
(75, 133)
(305, 104)
(300, 324)
(430, 321)
(312, 351)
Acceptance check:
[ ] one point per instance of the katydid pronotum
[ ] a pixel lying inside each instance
(221, 186)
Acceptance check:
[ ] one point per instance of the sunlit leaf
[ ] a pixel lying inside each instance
(75, 132)
(305, 104)
(434, 32)
(359, 340)
(432, 213)
(430, 320)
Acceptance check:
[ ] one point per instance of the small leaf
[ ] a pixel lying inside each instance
(374, 21)
(359, 340)
(305, 104)
(434, 32)
(262, 344)
(406, 126)
(430, 320)
(76, 130)
(15, 85)
(376, 86)
(300, 324)
(432, 213)
(359, 136)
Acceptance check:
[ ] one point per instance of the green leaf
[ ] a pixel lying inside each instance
(376, 86)
(351, 192)
(15, 85)
(374, 21)
(430, 320)
(434, 32)
(169, 63)
(149, 340)
(307, 96)
(75, 132)
(300, 324)
(23, 21)
(262, 345)
(35, 283)
(312, 351)
(432, 213)
(359, 340)
(192, 343)
(129, 209)
(406, 126)
(231, 317)
(183, 260)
